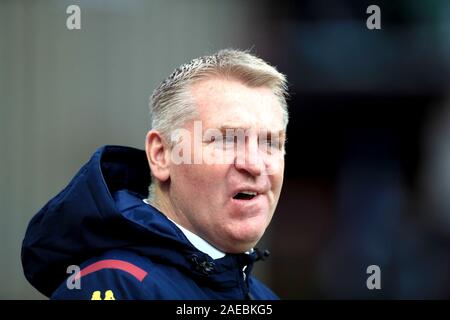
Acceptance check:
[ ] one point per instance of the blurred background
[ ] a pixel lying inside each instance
(367, 177)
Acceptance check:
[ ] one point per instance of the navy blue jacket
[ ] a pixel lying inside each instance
(125, 249)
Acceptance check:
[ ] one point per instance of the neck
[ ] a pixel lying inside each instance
(161, 201)
(163, 205)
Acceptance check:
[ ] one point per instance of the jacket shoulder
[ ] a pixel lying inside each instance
(115, 275)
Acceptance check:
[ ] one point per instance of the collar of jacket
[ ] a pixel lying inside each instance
(165, 243)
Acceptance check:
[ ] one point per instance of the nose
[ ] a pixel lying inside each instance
(248, 158)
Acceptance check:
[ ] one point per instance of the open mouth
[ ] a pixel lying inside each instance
(245, 195)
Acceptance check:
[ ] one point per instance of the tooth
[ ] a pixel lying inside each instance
(251, 193)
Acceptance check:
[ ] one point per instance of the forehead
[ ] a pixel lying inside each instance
(230, 103)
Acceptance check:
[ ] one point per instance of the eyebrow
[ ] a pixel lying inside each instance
(233, 127)
(280, 133)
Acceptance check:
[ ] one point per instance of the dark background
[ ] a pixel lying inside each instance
(367, 174)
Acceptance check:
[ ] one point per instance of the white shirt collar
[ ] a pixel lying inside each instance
(197, 241)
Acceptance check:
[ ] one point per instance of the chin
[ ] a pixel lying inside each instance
(239, 247)
(241, 235)
(244, 241)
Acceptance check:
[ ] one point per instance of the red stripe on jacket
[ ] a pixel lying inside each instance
(135, 271)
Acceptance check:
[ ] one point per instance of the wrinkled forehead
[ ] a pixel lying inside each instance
(227, 103)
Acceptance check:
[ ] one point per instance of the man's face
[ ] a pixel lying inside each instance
(230, 196)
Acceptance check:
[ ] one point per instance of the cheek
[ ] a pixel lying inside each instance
(274, 167)
(277, 179)
(185, 177)
(217, 154)
(200, 180)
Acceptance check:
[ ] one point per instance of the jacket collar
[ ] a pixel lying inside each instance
(169, 245)
(198, 242)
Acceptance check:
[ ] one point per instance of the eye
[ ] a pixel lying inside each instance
(271, 144)
(228, 139)
(275, 144)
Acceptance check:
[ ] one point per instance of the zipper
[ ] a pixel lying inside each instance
(247, 293)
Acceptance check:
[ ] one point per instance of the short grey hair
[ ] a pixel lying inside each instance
(172, 104)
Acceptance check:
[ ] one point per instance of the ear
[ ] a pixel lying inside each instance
(157, 155)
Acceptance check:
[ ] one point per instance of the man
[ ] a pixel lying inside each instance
(216, 157)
